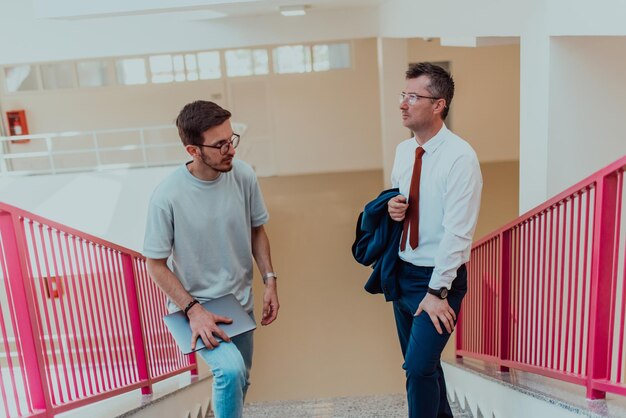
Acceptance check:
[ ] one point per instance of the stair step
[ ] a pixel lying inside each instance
(376, 406)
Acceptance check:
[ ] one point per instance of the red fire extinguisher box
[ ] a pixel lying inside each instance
(17, 125)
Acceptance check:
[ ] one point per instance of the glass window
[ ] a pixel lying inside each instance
(261, 61)
(179, 68)
(331, 57)
(238, 62)
(209, 65)
(161, 69)
(321, 62)
(292, 59)
(168, 68)
(243, 62)
(131, 71)
(57, 76)
(191, 63)
(92, 73)
(21, 78)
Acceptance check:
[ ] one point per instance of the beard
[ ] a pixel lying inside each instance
(222, 167)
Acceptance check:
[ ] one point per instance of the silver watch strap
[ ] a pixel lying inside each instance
(269, 275)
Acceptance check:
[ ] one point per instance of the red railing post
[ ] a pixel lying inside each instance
(193, 360)
(21, 294)
(505, 299)
(458, 330)
(601, 282)
(139, 341)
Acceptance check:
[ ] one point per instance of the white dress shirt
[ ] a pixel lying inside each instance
(450, 187)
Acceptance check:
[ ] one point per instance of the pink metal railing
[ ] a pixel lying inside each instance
(80, 319)
(547, 292)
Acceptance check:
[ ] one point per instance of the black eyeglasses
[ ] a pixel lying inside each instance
(224, 145)
(411, 98)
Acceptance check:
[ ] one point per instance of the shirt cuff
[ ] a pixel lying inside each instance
(156, 254)
(437, 281)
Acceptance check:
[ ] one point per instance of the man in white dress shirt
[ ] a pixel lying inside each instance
(440, 185)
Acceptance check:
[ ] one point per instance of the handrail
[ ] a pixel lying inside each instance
(546, 291)
(5, 207)
(81, 319)
(19, 153)
(38, 153)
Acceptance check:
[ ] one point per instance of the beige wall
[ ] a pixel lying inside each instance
(332, 338)
(486, 104)
(308, 123)
(329, 121)
(500, 199)
(485, 108)
(298, 123)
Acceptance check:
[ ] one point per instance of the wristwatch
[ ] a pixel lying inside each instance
(441, 293)
(269, 275)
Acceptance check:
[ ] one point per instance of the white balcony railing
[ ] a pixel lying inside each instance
(99, 150)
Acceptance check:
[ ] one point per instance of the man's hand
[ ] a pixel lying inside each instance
(438, 310)
(270, 302)
(397, 208)
(204, 325)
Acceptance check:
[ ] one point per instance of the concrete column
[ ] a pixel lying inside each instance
(392, 65)
(534, 119)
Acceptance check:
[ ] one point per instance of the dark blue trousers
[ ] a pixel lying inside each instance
(421, 343)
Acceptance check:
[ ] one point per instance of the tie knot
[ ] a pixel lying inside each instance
(419, 152)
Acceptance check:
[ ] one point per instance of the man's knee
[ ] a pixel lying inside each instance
(232, 373)
(420, 368)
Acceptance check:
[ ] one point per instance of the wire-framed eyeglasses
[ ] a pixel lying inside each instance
(225, 144)
(412, 98)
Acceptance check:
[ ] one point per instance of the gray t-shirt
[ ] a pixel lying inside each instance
(204, 227)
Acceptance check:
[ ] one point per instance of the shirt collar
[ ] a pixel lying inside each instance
(434, 142)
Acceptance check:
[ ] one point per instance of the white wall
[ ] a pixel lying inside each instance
(110, 205)
(588, 98)
(328, 121)
(297, 123)
(485, 109)
(409, 18)
(534, 105)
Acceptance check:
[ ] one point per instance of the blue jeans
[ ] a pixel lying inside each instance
(230, 364)
(421, 343)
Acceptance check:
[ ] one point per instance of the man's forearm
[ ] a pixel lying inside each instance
(168, 282)
(261, 250)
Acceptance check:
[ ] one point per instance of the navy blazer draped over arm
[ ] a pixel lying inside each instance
(377, 241)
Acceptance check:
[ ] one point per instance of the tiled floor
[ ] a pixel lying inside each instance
(379, 406)
(569, 396)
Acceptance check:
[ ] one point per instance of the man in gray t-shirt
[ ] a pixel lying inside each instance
(205, 223)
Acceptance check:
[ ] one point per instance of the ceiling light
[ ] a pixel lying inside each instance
(293, 10)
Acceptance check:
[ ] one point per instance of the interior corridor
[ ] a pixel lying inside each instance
(333, 339)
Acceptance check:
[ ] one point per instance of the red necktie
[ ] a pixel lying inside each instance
(412, 216)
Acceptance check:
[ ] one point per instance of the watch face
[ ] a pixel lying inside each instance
(444, 293)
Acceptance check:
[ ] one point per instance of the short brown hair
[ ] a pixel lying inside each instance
(196, 118)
